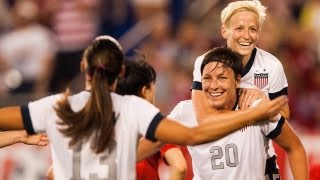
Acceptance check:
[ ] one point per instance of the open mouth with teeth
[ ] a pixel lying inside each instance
(245, 43)
(215, 94)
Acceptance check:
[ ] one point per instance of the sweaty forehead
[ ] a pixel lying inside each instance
(216, 68)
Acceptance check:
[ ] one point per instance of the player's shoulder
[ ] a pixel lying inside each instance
(122, 100)
(201, 57)
(184, 113)
(126, 98)
(129, 102)
(185, 104)
(267, 57)
(51, 99)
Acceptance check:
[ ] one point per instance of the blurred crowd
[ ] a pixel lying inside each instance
(41, 43)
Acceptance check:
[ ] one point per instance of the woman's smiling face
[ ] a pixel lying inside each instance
(241, 32)
(219, 85)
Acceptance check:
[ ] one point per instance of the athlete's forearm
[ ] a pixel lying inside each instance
(217, 126)
(226, 122)
(299, 170)
(8, 138)
(236, 119)
(147, 148)
(221, 124)
(290, 142)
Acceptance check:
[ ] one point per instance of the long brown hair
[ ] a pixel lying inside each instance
(96, 119)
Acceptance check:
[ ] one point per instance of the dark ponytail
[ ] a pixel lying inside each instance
(96, 119)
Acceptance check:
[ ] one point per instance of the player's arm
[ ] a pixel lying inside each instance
(279, 86)
(11, 118)
(8, 138)
(285, 111)
(175, 159)
(248, 96)
(223, 124)
(228, 122)
(49, 175)
(147, 148)
(290, 142)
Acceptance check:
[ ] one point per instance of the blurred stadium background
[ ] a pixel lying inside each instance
(41, 43)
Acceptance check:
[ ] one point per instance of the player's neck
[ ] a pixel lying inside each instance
(245, 60)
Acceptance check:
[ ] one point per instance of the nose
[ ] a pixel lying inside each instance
(214, 84)
(246, 34)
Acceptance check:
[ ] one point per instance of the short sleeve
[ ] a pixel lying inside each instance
(273, 129)
(36, 114)
(278, 82)
(197, 69)
(145, 114)
(268, 128)
(196, 84)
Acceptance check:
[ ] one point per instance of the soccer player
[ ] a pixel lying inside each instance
(94, 134)
(240, 155)
(241, 23)
(8, 138)
(139, 79)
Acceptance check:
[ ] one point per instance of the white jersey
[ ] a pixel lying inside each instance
(263, 71)
(80, 162)
(240, 155)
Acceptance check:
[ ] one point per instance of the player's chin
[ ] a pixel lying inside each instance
(216, 103)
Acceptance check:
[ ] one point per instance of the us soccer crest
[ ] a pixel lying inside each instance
(261, 80)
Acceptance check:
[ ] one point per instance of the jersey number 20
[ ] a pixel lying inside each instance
(230, 154)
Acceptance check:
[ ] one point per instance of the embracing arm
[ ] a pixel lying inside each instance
(289, 141)
(228, 122)
(248, 96)
(10, 118)
(8, 138)
(147, 148)
(169, 131)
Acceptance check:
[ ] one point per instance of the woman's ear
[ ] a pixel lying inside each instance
(82, 66)
(122, 71)
(224, 31)
(144, 92)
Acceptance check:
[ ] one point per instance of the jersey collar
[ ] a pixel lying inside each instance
(247, 68)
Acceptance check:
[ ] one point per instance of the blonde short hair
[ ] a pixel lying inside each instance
(254, 6)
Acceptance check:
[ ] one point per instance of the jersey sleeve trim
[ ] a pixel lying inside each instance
(273, 134)
(284, 91)
(196, 85)
(153, 126)
(25, 113)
